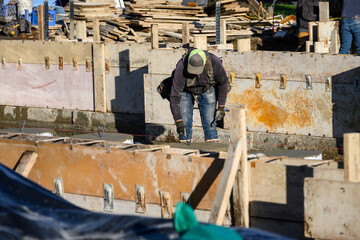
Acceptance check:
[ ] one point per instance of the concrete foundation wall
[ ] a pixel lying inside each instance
(322, 109)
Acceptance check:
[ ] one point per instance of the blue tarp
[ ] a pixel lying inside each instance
(29, 211)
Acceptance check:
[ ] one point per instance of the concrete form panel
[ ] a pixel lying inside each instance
(36, 51)
(271, 64)
(127, 55)
(332, 209)
(125, 90)
(37, 87)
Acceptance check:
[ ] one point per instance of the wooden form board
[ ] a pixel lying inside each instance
(332, 209)
(36, 51)
(352, 157)
(26, 162)
(100, 98)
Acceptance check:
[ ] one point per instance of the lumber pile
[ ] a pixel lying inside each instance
(89, 11)
(162, 12)
(115, 31)
(228, 8)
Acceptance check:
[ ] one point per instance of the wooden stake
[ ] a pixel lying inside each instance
(185, 33)
(324, 11)
(241, 186)
(154, 36)
(243, 45)
(80, 29)
(99, 77)
(222, 31)
(26, 162)
(96, 29)
(226, 183)
(200, 42)
(40, 11)
(352, 157)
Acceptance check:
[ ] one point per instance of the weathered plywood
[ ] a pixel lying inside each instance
(270, 64)
(36, 87)
(94, 166)
(35, 51)
(332, 209)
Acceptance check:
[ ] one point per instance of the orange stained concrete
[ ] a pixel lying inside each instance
(294, 110)
(84, 170)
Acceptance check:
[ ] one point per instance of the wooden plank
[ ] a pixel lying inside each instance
(222, 31)
(200, 41)
(154, 36)
(241, 187)
(96, 30)
(324, 11)
(226, 183)
(41, 22)
(352, 157)
(26, 162)
(243, 45)
(185, 33)
(80, 29)
(99, 77)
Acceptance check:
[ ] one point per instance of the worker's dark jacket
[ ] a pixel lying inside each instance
(180, 78)
(307, 11)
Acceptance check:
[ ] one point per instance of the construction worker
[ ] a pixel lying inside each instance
(350, 26)
(199, 77)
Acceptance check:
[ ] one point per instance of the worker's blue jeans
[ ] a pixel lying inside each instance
(207, 108)
(350, 28)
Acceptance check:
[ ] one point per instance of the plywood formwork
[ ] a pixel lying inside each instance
(316, 105)
(276, 191)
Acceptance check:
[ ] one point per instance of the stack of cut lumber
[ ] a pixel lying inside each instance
(115, 31)
(89, 11)
(228, 8)
(167, 14)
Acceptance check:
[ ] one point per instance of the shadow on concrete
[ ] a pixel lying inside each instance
(346, 104)
(285, 219)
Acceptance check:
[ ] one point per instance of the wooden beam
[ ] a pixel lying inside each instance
(352, 157)
(96, 30)
(26, 162)
(243, 44)
(241, 190)
(223, 31)
(99, 77)
(40, 11)
(185, 33)
(324, 11)
(154, 36)
(80, 29)
(226, 183)
(200, 41)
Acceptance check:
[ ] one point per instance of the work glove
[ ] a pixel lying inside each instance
(180, 128)
(219, 114)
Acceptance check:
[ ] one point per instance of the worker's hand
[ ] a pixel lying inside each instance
(180, 128)
(219, 114)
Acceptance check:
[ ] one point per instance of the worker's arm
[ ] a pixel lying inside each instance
(221, 80)
(177, 88)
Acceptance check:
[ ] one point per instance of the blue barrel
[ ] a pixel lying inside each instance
(60, 14)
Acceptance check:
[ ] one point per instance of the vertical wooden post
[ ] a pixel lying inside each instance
(200, 41)
(96, 30)
(72, 21)
(222, 31)
(324, 11)
(80, 29)
(154, 36)
(185, 33)
(40, 10)
(243, 44)
(99, 77)
(352, 157)
(241, 189)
